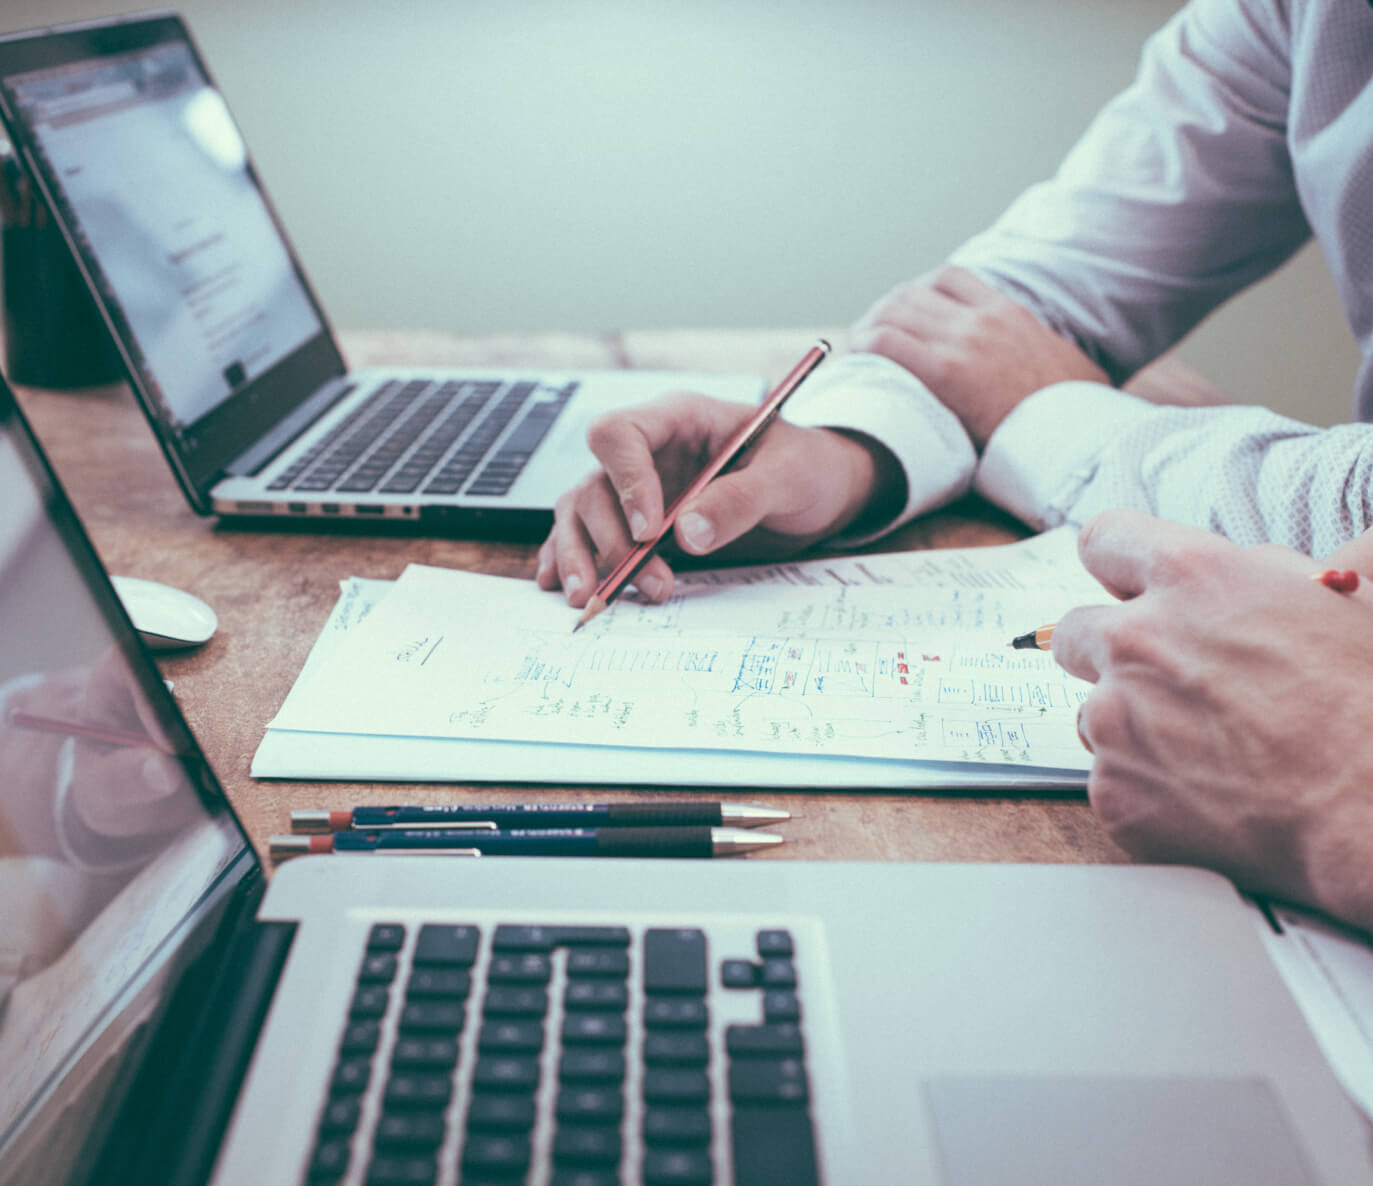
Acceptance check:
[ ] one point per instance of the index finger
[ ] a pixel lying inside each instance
(1127, 551)
(626, 443)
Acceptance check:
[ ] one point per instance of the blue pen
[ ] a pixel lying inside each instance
(530, 842)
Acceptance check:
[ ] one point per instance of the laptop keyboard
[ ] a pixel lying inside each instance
(429, 436)
(566, 1056)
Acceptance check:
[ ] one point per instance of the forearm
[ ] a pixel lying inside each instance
(1242, 472)
(1178, 195)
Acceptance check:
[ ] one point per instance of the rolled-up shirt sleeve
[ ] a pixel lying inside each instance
(1179, 194)
(873, 397)
(1250, 474)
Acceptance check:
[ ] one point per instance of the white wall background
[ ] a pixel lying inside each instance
(588, 164)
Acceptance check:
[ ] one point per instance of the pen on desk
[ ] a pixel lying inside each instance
(88, 732)
(1034, 640)
(529, 842)
(733, 449)
(672, 813)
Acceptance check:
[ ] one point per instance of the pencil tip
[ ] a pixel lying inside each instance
(593, 607)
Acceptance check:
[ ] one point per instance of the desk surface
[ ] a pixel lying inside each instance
(273, 590)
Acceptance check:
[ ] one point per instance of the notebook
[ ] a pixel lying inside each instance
(226, 346)
(170, 1016)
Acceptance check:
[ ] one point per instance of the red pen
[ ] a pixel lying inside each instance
(620, 576)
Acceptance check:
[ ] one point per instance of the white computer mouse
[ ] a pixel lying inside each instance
(165, 618)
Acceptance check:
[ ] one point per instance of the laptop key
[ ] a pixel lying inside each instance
(585, 1177)
(605, 995)
(378, 967)
(676, 1126)
(438, 983)
(594, 1029)
(402, 1171)
(772, 1145)
(386, 936)
(500, 1112)
(675, 961)
(506, 1074)
(351, 1076)
(510, 1000)
(511, 1036)
(585, 1104)
(504, 1153)
(415, 1090)
(581, 1144)
(592, 1066)
(690, 1013)
(447, 945)
(424, 1053)
(432, 1017)
(529, 968)
(781, 1005)
(768, 1040)
(684, 1167)
(775, 944)
(674, 1085)
(609, 963)
(767, 1081)
(409, 1130)
(665, 1048)
(369, 1002)
(341, 1115)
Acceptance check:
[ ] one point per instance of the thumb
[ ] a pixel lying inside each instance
(729, 507)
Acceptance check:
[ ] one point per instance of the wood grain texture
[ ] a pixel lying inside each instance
(273, 589)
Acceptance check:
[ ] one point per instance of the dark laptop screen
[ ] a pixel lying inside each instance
(113, 834)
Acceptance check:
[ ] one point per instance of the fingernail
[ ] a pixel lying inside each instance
(572, 584)
(696, 530)
(650, 586)
(638, 524)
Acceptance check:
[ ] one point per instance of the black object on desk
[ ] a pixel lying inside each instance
(54, 335)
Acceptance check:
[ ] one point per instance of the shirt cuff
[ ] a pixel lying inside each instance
(875, 397)
(1040, 457)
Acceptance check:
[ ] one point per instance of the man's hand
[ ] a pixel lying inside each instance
(794, 487)
(980, 352)
(1229, 720)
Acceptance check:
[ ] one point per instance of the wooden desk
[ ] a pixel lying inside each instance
(273, 590)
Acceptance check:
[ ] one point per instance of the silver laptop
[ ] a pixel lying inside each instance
(122, 129)
(170, 1018)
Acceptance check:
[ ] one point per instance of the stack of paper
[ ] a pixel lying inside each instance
(888, 670)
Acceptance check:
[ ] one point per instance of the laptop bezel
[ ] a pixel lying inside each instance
(201, 457)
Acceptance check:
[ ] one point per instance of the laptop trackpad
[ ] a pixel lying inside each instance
(1085, 1130)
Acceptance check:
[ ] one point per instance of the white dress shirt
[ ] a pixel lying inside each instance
(1248, 129)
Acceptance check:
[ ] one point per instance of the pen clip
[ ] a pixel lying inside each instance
(425, 852)
(453, 825)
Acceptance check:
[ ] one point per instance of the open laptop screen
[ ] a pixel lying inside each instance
(145, 167)
(113, 834)
(154, 177)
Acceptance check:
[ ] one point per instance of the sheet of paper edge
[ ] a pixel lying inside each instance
(288, 753)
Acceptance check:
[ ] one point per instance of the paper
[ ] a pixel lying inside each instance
(887, 659)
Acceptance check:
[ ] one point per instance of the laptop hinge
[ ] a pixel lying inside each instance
(171, 1124)
(267, 447)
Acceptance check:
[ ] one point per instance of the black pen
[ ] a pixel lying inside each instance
(531, 842)
(664, 813)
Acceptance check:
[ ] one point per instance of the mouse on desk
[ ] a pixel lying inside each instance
(165, 618)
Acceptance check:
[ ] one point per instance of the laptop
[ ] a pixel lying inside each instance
(134, 150)
(169, 1015)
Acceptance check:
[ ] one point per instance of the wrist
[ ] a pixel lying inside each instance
(1336, 859)
(875, 482)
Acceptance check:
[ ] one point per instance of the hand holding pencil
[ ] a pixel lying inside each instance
(793, 487)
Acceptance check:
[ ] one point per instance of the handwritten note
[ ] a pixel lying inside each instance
(814, 666)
